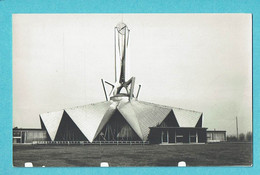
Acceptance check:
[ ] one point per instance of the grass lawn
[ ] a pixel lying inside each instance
(218, 154)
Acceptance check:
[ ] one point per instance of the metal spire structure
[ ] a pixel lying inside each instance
(121, 38)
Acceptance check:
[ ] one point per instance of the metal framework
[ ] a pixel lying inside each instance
(121, 38)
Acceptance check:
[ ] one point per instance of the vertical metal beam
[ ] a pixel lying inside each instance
(162, 137)
(175, 135)
(103, 84)
(128, 31)
(21, 137)
(167, 136)
(108, 133)
(25, 136)
(189, 136)
(197, 137)
(138, 91)
(115, 53)
(132, 88)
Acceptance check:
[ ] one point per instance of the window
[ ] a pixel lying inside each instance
(193, 138)
(179, 137)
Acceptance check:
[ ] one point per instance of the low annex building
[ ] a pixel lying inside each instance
(122, 117)
(216, 136)
(29, 135)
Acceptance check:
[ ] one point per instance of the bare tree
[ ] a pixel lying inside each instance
(231, 138)
(249, 136)
(241, 137)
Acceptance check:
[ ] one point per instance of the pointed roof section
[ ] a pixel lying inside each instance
(89, 117)
(142, 115)
(130, 116)
(186, 118)
(169, 121)
(150, 115)
(111, 110)
(199, 123)
(51, 122)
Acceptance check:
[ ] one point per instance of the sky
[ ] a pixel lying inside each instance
(201, 62)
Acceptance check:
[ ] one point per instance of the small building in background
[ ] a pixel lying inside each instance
(177, 135)
(216, 136)
(26, 135)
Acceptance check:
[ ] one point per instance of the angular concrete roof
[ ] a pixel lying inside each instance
(51, 122)
(91, 119)
(143, 115)
(186, 118)
(131, 117)
(110, 111)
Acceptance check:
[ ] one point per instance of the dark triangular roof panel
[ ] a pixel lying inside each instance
(89, 117)
(117, 129)
(169, 121)
(199, 124)
(68, 130)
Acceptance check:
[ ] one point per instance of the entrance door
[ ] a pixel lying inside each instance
(164, 137)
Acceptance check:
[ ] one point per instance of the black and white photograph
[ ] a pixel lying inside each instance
(132, 90)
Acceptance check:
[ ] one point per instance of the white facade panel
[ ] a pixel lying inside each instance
(51, 122)
(88, 118)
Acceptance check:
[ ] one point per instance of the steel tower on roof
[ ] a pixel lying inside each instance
(121, 38)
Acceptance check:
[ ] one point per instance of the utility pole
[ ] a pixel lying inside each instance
(237, 127)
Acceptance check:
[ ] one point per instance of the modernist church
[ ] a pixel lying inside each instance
(122, 117)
